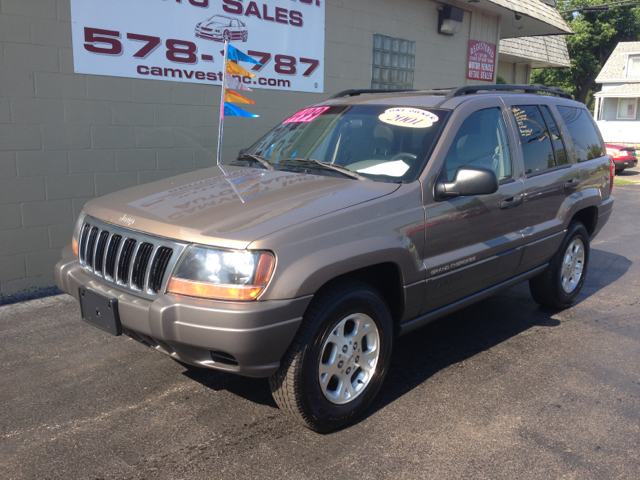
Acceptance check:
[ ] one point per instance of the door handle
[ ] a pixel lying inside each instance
(511, 202)
(574, 182)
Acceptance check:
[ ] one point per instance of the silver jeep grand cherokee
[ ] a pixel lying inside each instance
(352, 222)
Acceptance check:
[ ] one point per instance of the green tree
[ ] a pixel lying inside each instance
(596, 34)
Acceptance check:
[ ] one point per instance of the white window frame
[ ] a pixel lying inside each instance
(631, 58)
(635, 108)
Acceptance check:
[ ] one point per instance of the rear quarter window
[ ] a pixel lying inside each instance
(582, 130)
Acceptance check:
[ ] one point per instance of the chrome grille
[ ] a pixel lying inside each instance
(129, 260)
(124, 262)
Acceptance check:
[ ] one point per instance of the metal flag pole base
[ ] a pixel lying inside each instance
(222, 96)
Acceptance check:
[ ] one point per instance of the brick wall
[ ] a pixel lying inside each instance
(66, 138)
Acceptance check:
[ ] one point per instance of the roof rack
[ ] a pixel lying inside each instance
(468, 90)
(534, 88)
(353, 93)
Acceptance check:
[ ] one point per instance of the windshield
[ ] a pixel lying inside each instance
(220, 19)
(377, 142)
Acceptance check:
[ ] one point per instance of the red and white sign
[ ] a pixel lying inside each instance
(182, 40)
(482, 61)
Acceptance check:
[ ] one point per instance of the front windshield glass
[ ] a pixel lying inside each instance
(380, 143)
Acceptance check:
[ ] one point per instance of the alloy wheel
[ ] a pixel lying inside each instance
(572, 265)
(349, 358)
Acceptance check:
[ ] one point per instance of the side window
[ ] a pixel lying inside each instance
(556, 139)
(583, 132)
(234, 23)
(535, 138)
(482, 141)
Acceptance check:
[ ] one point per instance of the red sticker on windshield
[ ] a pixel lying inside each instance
(306, 115)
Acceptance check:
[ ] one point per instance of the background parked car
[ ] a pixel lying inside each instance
(623, 157)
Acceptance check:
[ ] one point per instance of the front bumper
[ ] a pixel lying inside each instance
(622, 164)
(255, 334)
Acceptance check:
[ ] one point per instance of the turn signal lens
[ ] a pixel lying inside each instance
(264, 270)
(209, 290)
(75, 237)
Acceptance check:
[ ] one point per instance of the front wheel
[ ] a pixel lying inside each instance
(338, 360)
(560, 284)
(226, 36)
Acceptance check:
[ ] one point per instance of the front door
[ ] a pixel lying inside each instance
(474, 242)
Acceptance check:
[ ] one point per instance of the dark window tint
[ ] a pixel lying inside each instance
(482, 141)
(583, 133)
(558, 144)
(534, 136)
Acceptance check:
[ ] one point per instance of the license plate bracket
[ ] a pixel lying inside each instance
(100, 311)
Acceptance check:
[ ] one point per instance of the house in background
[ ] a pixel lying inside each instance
(616, 108)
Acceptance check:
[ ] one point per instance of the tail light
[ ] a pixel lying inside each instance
(612, 176)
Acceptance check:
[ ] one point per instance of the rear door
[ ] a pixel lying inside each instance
(551, 177)
(472, 242)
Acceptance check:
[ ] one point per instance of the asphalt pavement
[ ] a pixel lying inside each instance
(500, 390)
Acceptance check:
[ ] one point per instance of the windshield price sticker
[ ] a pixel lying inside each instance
(408, 117)
(307, 115)
(182, 40)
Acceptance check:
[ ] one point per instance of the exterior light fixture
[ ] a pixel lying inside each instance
(449, 19)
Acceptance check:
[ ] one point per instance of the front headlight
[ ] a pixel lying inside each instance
(222, 274)
(75, 238)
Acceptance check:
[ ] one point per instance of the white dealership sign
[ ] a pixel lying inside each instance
(182, 40)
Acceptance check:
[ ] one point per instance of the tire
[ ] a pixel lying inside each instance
(226, 36)
(312, 383)
(559, 287)
(245, 36)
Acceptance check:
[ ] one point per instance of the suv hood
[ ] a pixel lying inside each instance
(231, 210)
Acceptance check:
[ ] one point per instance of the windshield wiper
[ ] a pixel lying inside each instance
(327, 165)
(255, 158)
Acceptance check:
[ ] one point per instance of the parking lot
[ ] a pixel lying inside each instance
(503, 389)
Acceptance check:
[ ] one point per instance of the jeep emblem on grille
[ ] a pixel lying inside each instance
(128, 220)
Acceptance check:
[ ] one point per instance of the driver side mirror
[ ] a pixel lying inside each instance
(243, 150)
(468, 181)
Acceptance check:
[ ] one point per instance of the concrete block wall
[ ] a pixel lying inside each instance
(66, 138)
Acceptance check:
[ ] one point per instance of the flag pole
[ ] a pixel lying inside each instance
(222, 96)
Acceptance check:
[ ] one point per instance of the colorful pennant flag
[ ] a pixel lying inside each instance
(228, 97)
(236, 69)
(231, 110)
(234, 54)
(236, 84)
(233, 97)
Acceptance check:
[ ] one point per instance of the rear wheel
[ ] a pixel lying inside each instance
(560, 284)
(338, 360)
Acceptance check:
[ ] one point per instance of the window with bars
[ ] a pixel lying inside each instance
(394, 62)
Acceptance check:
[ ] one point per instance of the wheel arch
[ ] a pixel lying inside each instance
(385, 277)
(589, 218)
